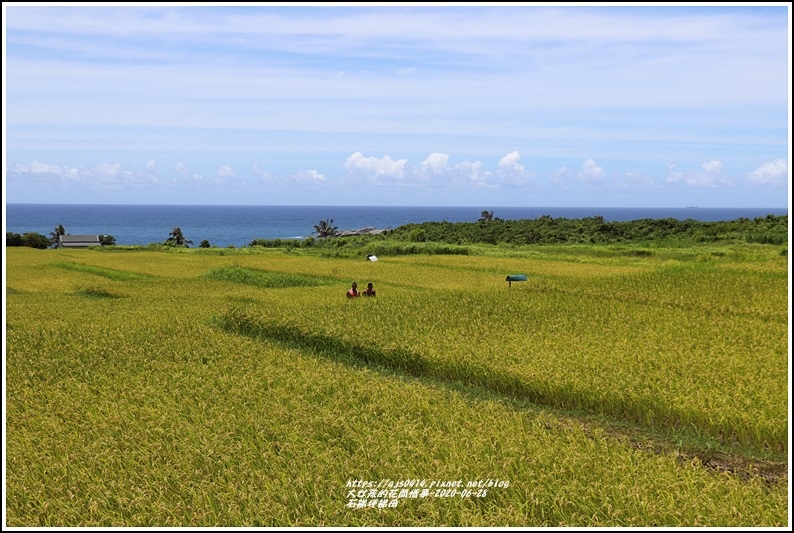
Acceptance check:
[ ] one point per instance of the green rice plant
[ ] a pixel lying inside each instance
(115, 275)
(265, 279)
(96, 292)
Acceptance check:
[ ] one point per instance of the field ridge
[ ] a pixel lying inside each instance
(109, 273)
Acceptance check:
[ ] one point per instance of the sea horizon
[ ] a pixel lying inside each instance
(239, 225)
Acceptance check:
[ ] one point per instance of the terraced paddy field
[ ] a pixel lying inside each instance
(615, 387)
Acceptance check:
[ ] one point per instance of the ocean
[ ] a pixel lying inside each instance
(225, 226)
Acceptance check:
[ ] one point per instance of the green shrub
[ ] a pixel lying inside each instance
(35, 240)
(14, 239)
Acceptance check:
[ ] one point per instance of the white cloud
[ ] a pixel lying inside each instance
(263, 175)
(34, 174)
(34, 168)
(311, 176)
(435, 170)
(39, 168)
(512, 171)
(151, 171)
(635, 179)
(384, 169)
(181, 169)
(316, 176)
(510, 163)
(712, 175)
(562, 175)
(111, 173)
(473, 174)
(592, 173)
(101, 175)
(226, 175)
(772, 173)
(713, 167)
(435, 163)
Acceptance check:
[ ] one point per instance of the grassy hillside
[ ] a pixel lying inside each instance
(241, 388)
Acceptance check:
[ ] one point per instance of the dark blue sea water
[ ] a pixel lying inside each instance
(237, 226)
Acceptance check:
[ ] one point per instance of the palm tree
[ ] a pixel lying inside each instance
(55, 236)
(486, 216)
(175, 238)
(325, 228)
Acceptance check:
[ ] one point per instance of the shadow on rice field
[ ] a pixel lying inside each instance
(481, 381)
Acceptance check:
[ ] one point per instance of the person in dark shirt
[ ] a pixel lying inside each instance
(369, 291)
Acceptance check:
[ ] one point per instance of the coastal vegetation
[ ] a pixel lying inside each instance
(545, 230)
(492, 230)
(37, 240)
(56, 234)
(594, 230)
(30, 239)
(325, 229)
(175, 238)
(624, 383)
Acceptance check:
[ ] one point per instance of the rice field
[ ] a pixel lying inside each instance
(205, 388)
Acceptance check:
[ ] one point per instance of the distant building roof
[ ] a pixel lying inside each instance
(78, 241)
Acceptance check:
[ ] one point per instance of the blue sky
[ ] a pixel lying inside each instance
(469, 105)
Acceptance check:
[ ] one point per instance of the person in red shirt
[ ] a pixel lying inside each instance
(353, 292)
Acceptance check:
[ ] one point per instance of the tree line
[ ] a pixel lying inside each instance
(771, 229)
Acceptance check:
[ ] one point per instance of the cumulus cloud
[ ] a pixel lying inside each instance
(112, 173)
(772, 173)
(262, 174)
(473, 174)
(510, 163)
(34, 170)
(435, 163)
(592, 173)
(711, 175)
(635, 179)
(436, 170)
(310, 176)
(181, 169)
(101, 175)
(150, 172)
(509, 172)
(41, 168)
(562, 175)
(225, 175)
(383, 169)
(512, 172)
